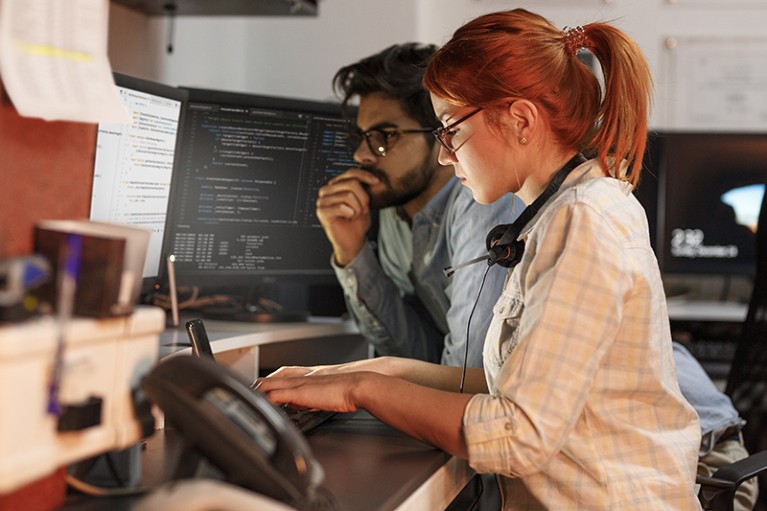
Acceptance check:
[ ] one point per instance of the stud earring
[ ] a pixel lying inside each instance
(523, 141)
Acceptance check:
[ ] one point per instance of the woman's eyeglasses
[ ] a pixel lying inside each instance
(445, 134)
(379, 140)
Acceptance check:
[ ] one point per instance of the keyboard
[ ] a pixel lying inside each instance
(306, 420)
(713, 343)
(715, 350)
(714, 355)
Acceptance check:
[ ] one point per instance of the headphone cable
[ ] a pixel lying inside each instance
(468, 326)
(510, 232)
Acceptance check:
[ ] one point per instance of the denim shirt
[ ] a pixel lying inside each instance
(714, 408)
(404, 305)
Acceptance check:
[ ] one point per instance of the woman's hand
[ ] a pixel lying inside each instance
(380, 365)
(334, 392)
(426, 413)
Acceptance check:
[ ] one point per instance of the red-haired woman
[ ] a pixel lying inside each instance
(578, 406)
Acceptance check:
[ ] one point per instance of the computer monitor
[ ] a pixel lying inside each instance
(134, 163)
(242, 216)
(703, 192)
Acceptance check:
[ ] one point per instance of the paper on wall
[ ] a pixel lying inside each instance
(53, 60)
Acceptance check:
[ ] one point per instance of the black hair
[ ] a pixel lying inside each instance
(397, 72)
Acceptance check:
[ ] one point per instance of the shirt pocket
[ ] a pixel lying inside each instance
(503, 334)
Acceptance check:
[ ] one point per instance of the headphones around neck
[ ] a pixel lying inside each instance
(502, 244)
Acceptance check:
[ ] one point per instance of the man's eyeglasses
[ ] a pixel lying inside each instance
(445, 133)
(379, 140)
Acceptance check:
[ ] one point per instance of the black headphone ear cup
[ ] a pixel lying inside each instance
(495, 235)
(508, 254)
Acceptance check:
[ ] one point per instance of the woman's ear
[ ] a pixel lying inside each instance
(522, 119)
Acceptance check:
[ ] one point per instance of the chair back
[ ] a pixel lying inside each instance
(747, 380)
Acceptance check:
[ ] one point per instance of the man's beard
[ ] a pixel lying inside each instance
(406, 188)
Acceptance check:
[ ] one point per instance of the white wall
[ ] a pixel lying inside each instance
(288, 56)
(650, 23)
(297, 56)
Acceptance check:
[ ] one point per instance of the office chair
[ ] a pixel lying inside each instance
(747, 388)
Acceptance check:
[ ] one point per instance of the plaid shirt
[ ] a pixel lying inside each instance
(584, 410)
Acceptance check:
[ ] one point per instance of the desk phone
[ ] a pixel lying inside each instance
(238, 430)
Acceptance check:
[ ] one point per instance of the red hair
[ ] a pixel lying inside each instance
(519, 54)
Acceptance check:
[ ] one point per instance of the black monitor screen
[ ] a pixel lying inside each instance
(709, 192)
(134, 162)
(243, 200)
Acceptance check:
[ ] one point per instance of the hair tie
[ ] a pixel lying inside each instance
(574, 39)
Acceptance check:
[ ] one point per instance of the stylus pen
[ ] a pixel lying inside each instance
(68, 267)
(172, 289)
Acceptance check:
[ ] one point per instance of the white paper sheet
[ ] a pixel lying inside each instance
(718, 84)
(53, 60)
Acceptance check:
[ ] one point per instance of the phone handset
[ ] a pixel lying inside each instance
(198, 336)
(238, 430)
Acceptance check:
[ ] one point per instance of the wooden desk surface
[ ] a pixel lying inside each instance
(706, 311)
(368, 467)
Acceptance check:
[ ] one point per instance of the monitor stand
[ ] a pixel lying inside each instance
(245, 313)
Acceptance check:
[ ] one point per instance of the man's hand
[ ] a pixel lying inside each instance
(343, 208)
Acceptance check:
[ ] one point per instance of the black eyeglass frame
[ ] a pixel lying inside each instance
(355, 138)
(443, 132)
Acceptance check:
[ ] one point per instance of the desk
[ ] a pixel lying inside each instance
(710, 330)
(248, 348)
(706, 311)
(368, 467)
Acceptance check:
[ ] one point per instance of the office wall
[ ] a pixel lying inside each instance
(281, 55)
(298, 56)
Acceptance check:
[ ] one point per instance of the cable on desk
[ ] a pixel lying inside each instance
(189, 298)
(98, 491)
(78, 471)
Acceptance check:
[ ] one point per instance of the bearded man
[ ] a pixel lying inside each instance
(395, 288)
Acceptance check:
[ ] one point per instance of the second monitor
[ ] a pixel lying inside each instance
(241, 218)
(133, 163)
(703, 192)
